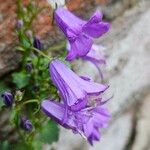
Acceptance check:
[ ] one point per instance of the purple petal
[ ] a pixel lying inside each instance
(96, 18)
(56, 111)
(80, 47)
(66, 20)
(85, 78)
(95, 27)
(73, 89)
(87, 121)
(53, 109)
(65, 81)
(96, 54)
(96, 30)
(97, 57)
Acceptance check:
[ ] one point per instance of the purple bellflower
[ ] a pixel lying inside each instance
(95, 55)
(86, 121)
(7, 99)
(75, 91)
(80, 33)
(26, 124)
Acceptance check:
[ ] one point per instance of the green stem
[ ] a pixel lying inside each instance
(41, 53)
(57, 47)
(31, 101)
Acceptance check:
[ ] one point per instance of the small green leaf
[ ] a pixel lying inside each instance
(4, 145)
(14, 117)
(19, 48)
(50, 132)
(26, 43)
(35, 61)
(20, 79)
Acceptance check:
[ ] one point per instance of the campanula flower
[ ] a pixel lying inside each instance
(26, 124)
(37, 43)
(80, 33)
(87, 121)
(75, 91)
(7, 98)
(95, 55)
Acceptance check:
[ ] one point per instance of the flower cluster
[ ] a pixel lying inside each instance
(75, 102)
(81, 108)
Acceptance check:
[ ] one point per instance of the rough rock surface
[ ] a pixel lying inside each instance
(115, 8)
(142, 138)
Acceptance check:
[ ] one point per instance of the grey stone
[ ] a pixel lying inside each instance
(142, 139)
(117, 135)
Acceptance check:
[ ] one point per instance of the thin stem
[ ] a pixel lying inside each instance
(57, 47)
(31, 101)
(41, 53)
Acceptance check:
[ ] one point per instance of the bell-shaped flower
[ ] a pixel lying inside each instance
(80, 33)
(75, 91)
(87, 121)
(96, 56)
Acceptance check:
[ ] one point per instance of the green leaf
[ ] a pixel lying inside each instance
(50, 132)
(14, 117)
(20, 79)
(4, 145)
(26, 43)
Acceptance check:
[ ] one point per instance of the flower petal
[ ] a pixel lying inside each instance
(53, 109)
(95, 27)
(66, 20)
(80, 47)
(74, 90)
(96, 30)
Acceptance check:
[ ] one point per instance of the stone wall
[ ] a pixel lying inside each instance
(127, 71)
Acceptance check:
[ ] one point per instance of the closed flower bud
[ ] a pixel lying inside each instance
(26, 124)
(7, 99)
(37, 43)
(28, 67)
(35, 88)
(29, 34)
(19, 24)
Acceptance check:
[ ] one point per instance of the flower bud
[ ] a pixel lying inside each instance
(7, 99)
(29, 34)
(28, 67)
(26, 124)
(35, 88)
(19, 24)
(37, 43)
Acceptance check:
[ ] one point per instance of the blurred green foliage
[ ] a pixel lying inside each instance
(31, 87)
